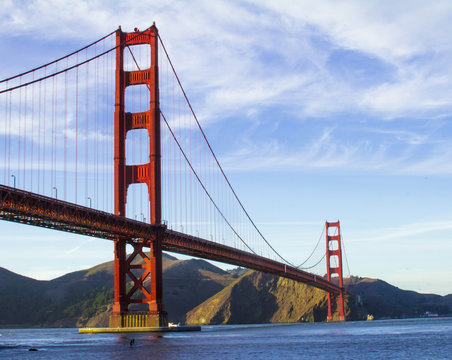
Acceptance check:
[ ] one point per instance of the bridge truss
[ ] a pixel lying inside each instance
(171, 170)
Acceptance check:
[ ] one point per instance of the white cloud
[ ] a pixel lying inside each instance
(404, 231)
(416, 96)
(76, 248)
(328, 151)
(235, 56)
(383, 28)
(245, 59)
(317, 61)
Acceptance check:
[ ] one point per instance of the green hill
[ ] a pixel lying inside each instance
(261, 298)
(197, 292)
(85, 297)
(383, 300)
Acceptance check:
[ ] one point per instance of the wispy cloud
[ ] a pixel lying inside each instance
(78, 247)
(401, 153)
(314, 86)
(405, 230)
(269, 53)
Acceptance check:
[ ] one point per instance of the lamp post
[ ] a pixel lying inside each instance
(89, 201)
(56, 192)
(14, 178)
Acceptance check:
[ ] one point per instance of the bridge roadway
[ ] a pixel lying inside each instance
(38, 210)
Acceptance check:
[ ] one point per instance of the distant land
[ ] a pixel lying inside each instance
(197, 292)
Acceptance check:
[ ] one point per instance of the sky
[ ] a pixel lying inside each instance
(317, 110)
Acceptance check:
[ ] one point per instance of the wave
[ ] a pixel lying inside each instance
(6, 347)
(15, 347)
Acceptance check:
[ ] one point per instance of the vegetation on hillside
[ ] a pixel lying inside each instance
(197, 292)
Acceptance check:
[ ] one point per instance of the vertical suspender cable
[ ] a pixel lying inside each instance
(55, 134)
(32, 133)
(96, 147)
(19, 137)
(65, 132)
(216, 160)
(52, 157)
(25, 139)
(9, 136)
(76, 134)
(44, 165)
(180, 163)
(102, 137)
(39, 136)
(346, 259)
(86, 130)
(5, 136)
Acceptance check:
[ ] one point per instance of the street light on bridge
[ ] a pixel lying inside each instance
(14, 178)
(56, 192)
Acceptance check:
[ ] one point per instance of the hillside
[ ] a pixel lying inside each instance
(383, 300)
(85, 297)
(262, 298)
(197, 292)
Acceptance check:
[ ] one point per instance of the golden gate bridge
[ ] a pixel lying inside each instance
(104, 142)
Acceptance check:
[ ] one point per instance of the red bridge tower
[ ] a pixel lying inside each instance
(126, 175)
(334, 256)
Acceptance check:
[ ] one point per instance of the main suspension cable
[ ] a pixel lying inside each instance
(317, 263)
(312, 253)
(202, 185)
(216, 160)
(57, 60)
(346, 259)
(73, 66)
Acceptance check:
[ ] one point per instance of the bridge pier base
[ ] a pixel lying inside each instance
(337, 313)
(144, 272)
(139, 319)
(160, 319)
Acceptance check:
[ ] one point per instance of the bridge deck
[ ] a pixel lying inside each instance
(33, 209)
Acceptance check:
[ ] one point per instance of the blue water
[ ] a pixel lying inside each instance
(386, 339)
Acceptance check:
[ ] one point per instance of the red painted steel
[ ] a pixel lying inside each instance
(146, 277)
(149, 174)
(190, 245)
(29, 208)
(334, 250)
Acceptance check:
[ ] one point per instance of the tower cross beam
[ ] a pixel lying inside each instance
(149, 173)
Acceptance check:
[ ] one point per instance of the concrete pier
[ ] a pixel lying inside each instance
(161, 329)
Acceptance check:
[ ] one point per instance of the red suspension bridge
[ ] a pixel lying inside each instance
(104, 142)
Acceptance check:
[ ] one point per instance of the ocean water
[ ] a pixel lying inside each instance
(429, 338)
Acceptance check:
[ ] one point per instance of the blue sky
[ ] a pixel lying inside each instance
(318, 110)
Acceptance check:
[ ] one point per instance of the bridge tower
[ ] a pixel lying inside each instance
(334, 269)
(125, 175)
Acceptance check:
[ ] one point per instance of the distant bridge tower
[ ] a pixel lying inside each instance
(125, 175)
(334, 269)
